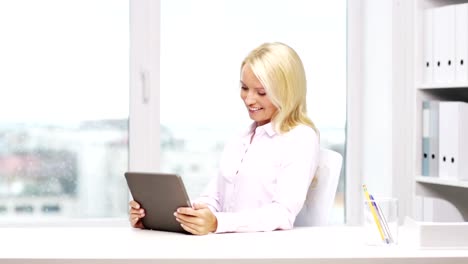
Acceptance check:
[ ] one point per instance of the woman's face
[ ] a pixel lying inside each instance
(260, 108)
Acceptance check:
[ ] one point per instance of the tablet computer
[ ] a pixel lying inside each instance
(160, 194)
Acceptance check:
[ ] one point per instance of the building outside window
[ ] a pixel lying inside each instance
(64, 108)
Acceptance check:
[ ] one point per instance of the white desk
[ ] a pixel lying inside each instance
(128, 245)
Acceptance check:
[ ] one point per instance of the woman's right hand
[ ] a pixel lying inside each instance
(136, 214)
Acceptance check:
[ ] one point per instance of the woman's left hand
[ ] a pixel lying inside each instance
(198, 220)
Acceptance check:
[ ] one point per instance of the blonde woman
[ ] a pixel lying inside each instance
(264, 173)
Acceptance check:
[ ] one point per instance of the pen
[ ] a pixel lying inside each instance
(374, 214)
(382, 219)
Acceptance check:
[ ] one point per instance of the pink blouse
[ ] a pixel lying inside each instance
(262, 185)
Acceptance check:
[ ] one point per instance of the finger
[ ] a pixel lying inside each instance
(135, 221)
(194, 229)
(137, 211)
(189, 229)
(189, 219)
(139, 225)
(198, 206)
(187, 211)
(190, 225)
(134, 204)
(136, 215)
(198, 225)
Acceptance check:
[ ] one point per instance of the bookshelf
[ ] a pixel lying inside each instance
(442, 182)
(450, 86)
(454, 192)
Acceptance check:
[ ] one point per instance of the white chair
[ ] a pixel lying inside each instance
(321, 195)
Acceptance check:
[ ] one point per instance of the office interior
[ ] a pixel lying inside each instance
(372, 89)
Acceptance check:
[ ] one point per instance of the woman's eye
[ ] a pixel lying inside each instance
(244, 88)
(262, 94)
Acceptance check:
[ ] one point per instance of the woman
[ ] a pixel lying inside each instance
(264, 173)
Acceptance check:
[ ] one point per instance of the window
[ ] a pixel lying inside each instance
(65, 66)
(64, 108)
(202, 45)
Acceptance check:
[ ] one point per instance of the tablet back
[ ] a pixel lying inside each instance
(160, 195)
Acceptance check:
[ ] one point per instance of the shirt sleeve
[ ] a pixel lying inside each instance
(300, 161)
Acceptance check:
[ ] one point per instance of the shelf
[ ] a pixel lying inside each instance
(442, 86)
(439, 181)
(454, 192)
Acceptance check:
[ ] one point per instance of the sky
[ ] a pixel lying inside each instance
(68, 60)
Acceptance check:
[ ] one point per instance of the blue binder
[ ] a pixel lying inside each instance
(425, 138)
(430, 139)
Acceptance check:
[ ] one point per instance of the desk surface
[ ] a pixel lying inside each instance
(122, 244)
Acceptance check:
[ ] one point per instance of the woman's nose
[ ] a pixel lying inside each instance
(249, 99)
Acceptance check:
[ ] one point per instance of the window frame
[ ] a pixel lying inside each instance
(144, 120)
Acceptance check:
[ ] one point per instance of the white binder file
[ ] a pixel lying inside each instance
(427, 47)
(444, 44)
(461, 43)
(453, 140)
(434, 138)
(448, 135)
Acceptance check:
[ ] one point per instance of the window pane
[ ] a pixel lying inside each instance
(202, 45)
(64, 108)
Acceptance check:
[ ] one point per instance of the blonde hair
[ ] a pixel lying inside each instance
(280, 70)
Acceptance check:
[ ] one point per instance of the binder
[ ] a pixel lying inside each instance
(428, 61)
(425, 139)
(461, 165)
(453, 140)
(430, 139)
(447, 136)
(461, 43)
(444, 44)
(434, 138)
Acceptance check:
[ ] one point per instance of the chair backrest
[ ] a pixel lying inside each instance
(321, 194)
